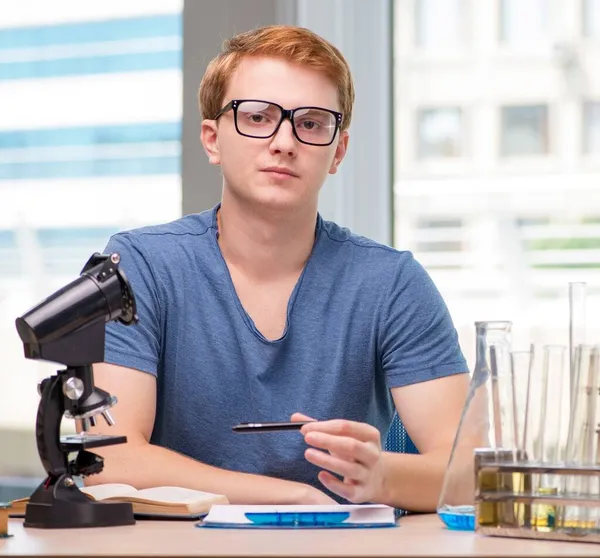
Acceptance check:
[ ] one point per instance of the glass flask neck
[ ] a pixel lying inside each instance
(490, 334)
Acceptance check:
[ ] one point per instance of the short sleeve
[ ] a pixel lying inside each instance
(418, 340)
(135, 346)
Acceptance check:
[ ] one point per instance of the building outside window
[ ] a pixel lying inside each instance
(440, 132)
(439, 24)
(524, 130)
(591, 127)
(503, 226)
(524, 21)
(591, 18)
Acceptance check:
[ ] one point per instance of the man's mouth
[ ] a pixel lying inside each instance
(280, 171)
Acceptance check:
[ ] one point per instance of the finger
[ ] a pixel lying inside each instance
(349, 449)
(348, 469)
(349, 491)
(299, 417)
(351, 429)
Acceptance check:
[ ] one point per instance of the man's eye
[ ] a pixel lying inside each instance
(309, 125)
(257, 118)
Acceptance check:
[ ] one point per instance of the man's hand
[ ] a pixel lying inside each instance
(351, 450)
(311, 496)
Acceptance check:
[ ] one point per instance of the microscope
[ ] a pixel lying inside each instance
(68, 328)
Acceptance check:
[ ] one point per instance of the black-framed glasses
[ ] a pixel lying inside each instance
(261, 119)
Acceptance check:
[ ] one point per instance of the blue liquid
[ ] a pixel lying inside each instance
(298, 519)
(458, 518)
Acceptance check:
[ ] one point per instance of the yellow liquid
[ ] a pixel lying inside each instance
(488, 512)
(579, 524)
(3, 521)
(541, 517)
(544, 516)
(506, 514)
(522, 484)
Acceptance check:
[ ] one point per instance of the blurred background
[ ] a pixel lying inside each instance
(475, 143)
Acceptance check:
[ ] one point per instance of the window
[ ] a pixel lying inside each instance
(142, 43)
(523, 21)
(591, 127)
(504, 230)
(440, 133)
(90, 142)
(438, 23)
(591, 18)
(524, 130)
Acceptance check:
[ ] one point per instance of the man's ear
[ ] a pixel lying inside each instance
(210, 142)
(340, 152)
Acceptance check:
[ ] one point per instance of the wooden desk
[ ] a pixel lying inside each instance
(416, 536)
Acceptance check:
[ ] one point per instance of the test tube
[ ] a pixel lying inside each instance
(591, 420)
(504, 429)
(552, 427)
(581, 402)
(577, 323)
(496, 405)
(521, 363)
(521, 371)
(555, 404)
(581, 443)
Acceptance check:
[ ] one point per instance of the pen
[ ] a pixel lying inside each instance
(268, 426)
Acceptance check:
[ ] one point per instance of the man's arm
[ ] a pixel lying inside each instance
(430, 412)
(144, 465)
(423, 364)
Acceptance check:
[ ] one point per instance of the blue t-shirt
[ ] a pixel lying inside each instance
(362, 318)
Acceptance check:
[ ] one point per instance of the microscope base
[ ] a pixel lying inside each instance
(68, 515)
(58, 503)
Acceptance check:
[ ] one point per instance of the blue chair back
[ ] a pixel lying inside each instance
(399, 441)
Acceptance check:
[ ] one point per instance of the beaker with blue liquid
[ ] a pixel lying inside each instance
(487, 421)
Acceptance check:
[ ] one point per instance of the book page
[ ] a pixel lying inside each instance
(104, 491)
(173, 495)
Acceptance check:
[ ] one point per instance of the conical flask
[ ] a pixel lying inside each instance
(486, 422)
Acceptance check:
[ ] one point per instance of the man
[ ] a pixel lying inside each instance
(259, 310)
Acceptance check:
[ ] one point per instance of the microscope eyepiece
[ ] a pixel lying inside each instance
(60, 327)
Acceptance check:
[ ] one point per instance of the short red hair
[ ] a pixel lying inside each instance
(293, 44)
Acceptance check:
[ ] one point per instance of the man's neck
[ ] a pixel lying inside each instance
(265, 245)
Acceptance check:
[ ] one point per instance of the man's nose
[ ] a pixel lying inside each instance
(284, 140)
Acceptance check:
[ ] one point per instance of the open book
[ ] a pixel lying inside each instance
(294, 517)
(160, 501)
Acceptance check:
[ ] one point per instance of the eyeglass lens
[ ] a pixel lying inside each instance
(259, 119)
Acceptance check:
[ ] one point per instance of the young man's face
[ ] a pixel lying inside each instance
(250, 166)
